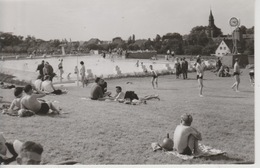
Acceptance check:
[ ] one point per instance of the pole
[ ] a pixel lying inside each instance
(77, 70)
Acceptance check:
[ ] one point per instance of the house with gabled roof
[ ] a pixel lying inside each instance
(225, 47)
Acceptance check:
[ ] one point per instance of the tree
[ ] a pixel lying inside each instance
(250, 30)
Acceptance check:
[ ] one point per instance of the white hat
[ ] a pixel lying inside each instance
(17, 146)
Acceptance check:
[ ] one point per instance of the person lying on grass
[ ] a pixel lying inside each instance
(29, 153)
(48, 87)
(30, 101)
(7, 152)
(96, 92)
(186, 137)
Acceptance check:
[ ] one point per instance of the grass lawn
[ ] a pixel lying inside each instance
(95, 132)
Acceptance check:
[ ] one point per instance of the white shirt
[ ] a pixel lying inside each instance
(199, 69)
(46, 86)
(120, 95)
(38, 84)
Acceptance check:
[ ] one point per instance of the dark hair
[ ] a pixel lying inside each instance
(81, 62)
(27, 88)
(198, 60)
(118, 87)
(30, 146)
(18, 91)
(97, 79)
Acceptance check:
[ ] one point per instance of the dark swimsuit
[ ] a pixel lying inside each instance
(44, 108)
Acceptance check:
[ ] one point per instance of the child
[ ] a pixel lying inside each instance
(155, 77)
(16, 103)
(186, 137)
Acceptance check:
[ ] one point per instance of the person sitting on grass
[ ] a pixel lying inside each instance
(29, 153)
(48, 87)
(186, 137)
(38, 83)
(96, 92)
(119, 95)
(16, 103)
(30, 101)
(7, 152)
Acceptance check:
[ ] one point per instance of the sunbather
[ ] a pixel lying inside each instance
(186, 137)
(30, 101)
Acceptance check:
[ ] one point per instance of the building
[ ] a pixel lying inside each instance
(212, 30)
(224, 48)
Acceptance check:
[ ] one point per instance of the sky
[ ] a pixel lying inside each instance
(80, 20)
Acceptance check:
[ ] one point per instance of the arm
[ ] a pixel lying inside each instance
(196, 133)
(12, 105)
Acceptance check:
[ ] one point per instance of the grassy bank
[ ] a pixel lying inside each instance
(100, 132)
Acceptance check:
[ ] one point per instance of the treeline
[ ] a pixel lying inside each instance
(196, 42)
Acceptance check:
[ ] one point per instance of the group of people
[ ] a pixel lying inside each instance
(31, 101)
(45, 69)
(181, 67)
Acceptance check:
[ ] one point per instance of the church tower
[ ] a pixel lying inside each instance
(212, 30)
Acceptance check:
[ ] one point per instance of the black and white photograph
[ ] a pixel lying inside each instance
(129, 83)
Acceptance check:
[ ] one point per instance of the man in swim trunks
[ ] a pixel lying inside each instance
(186, 137)
(30, 101)
(236, 75)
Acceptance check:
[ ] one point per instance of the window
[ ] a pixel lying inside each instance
(220, 48)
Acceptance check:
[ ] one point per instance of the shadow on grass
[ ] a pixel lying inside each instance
(235, 97)
(227, 158)
(166, 89)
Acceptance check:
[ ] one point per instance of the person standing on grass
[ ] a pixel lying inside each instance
(236, 75)
(82, 73)
(60, 67)
(154, 78)
(185, 67)
(177, 68)
(200, 72)
(40, 68)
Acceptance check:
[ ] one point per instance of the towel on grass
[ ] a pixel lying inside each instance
(205, 151)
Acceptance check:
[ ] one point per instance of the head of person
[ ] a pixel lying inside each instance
(151, 67)
(236, 60)
(184, 58)
(81, 63)
(186, 119)
(118, 89)
(198, 60)
(28, 89)
(42, 61)
(30, 153)
(47, 77)
(46, 64)
(18, 92)
(99, 81)
(3, 147)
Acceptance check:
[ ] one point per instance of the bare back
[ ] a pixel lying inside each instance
(30, 102)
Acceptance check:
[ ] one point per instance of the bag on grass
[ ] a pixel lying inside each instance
(131, 95)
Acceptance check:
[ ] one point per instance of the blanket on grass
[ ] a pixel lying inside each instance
(204, 151)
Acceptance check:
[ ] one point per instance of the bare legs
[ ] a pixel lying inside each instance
(193, 144)
(155, 80)
(237, 82)
(200, 82)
